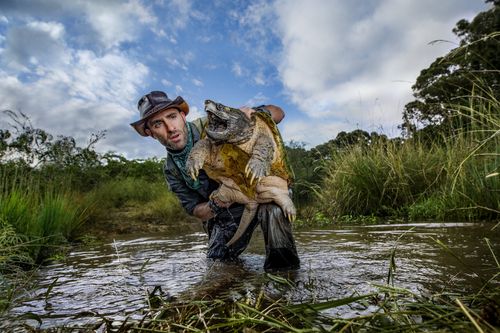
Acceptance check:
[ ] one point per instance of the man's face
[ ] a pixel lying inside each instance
(169, 128)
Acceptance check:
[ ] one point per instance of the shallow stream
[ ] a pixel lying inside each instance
(112, 279)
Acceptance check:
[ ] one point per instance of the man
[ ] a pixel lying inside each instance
(165, 120)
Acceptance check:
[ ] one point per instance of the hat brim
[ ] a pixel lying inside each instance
(178, 103)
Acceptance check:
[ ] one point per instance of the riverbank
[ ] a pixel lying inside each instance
(131, 219)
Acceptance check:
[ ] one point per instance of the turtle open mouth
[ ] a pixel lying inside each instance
(215, 123)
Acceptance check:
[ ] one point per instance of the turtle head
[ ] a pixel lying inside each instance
(227, 124)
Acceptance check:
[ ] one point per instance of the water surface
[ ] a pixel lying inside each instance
(113, 279)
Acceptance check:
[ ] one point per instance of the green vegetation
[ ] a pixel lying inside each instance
(53, 191)
(151, 200)
(453, 178)
(447, 164)
(446, 167)
(390, 309)
(455, 74)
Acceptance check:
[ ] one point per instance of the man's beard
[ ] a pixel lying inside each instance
(173, 146)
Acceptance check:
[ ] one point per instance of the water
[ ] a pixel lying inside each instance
(113, 279)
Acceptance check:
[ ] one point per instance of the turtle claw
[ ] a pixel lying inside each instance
(194, 174)
(252, 179)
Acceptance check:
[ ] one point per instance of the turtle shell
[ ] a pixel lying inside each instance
(234, 160)
(280, 167)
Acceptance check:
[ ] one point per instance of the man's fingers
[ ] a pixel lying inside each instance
(247, 111)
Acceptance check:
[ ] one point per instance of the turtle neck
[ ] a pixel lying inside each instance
(180, 157)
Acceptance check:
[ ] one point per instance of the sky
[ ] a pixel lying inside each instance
(79, 67)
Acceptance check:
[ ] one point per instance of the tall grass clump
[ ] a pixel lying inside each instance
(153, 198)
(380, 179)
(455, 176)
(37, 220)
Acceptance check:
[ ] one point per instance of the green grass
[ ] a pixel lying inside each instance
(36, 219)
(454, 179)
(150, 200)
(49, 216)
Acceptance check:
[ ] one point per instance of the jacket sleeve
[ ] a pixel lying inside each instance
(189, 198)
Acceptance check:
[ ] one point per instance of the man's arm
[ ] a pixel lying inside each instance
(204, 211)
(275, 112)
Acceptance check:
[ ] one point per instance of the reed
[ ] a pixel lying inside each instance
(456, 177)
(386, 309)
(61, 215)
(36, 218)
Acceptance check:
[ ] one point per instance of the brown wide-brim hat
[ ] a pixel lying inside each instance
(154, 102)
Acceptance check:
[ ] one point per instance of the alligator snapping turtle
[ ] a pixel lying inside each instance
(247, 157)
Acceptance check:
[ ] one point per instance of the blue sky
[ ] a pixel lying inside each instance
(79, 67)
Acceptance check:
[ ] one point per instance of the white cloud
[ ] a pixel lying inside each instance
(110, 23)
(345, 65)
(166, 83)
(257, 100)
(178, 89)
(197, 82)
(237, 69)
(117, 22)
(255, 23)
(89, 94)
(205, 39)
(54, 29)
(35, 44)
(259, 79)
(175, 63)
(311, 132)
(359, 59)
(182, 10)
(194, 113)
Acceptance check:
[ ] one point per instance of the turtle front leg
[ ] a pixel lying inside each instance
(259, 164)
(197, 157)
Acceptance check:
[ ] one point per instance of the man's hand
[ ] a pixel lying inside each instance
(247, 111)
(276, 112)
(221, 203)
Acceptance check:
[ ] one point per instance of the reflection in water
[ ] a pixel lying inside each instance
(113, 279)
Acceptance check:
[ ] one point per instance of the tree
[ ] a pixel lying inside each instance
(306, 171)
(37, 147)
(451, 79)
(345, 140)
